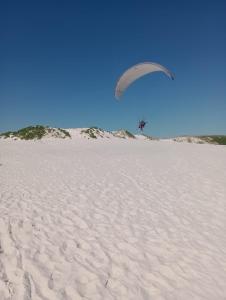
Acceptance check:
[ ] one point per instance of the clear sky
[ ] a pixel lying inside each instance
(60, 60)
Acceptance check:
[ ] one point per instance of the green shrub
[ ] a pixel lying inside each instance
(129, 134)
(34, 132)
(215, 139)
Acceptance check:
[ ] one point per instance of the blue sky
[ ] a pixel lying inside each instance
(60, 61)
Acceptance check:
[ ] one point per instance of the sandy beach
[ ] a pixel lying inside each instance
(112, 219)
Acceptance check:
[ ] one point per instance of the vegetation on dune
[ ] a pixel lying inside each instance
(123, 134)
(93, 132)
(35, 132)
(203, 139)
(65, 132)
(6, 134)
(215, 139)
(31, 132)
(151, 138)
(28, 133)
(129, 134)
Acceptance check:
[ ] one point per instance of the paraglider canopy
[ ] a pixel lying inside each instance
(136, 72)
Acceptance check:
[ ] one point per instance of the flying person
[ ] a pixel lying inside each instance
(142, 124)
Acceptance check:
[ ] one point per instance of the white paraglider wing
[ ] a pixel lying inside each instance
(136, 72)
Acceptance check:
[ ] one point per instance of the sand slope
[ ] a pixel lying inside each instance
(119, 219)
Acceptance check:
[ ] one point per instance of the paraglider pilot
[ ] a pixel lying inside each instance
(142, 124)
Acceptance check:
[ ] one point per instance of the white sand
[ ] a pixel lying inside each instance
(112, 219)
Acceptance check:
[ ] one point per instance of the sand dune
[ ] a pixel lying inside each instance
(119, 219)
